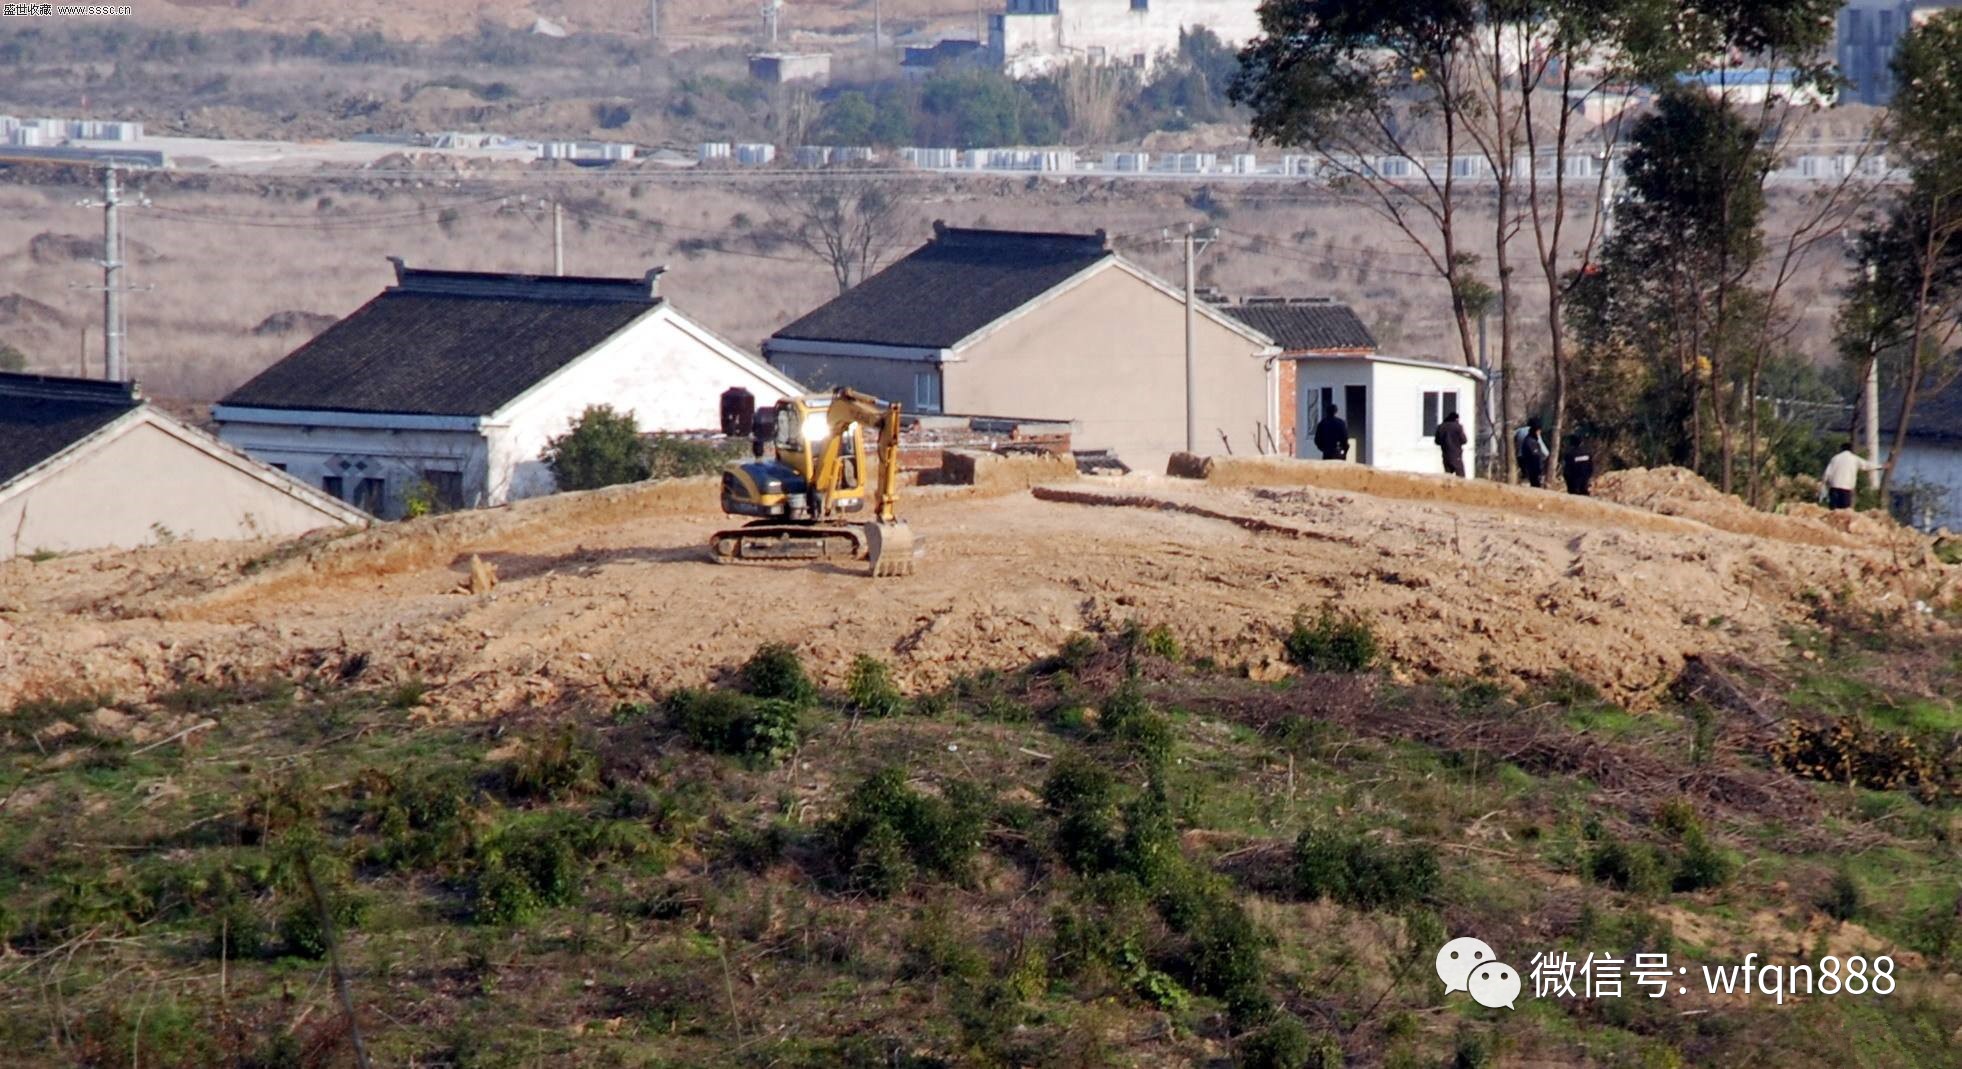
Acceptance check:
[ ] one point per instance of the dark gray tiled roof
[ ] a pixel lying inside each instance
(950, 288)
(449, 343)
(1305, 326)
(1937, 413)
(41, 415)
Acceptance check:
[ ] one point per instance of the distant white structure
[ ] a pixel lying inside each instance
(1030, 38)
(782, 68)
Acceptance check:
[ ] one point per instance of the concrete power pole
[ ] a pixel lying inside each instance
(558, 238)
(113, 368)
(878, 25)
(654, 19)
(1191, 363)
(1870, 416)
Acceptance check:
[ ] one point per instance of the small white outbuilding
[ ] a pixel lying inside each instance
(1393, 405)
(451, 384)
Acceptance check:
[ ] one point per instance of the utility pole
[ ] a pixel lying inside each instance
(772, 11)
(654, 20)
(878, 25)
(1191, 364)
(1871, 416)
(1195, 241)
(112, 279)
(558, 238)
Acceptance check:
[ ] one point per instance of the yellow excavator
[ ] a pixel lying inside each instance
(803, 498)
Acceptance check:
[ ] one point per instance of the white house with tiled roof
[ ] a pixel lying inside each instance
(454, 382)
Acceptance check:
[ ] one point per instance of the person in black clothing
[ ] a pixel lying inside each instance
(1531, 454)
(1450, 441)
(1578, 468)
(1332, 436)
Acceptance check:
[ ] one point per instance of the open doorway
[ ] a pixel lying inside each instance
(1355, 407)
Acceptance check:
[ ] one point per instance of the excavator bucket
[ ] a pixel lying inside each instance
(890, 547)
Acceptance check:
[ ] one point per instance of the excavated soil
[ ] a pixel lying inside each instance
(610, 594)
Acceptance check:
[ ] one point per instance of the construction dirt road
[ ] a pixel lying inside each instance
(609, 595)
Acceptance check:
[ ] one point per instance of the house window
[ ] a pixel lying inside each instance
(446, 487)
(368, 495)
(926, 391)
(332, 485)
(1437, 405)
(1141, 5)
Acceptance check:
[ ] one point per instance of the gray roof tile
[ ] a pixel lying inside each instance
(41, 415)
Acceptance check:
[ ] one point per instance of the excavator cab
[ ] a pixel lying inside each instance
(800, 491)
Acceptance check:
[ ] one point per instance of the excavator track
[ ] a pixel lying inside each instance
(788, 543)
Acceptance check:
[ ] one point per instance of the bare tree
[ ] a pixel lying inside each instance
(1091, 94)
(852, 222)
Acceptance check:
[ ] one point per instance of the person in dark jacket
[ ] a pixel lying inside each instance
(1451, 443)
(1529, 448)
(1578, 466)
(1332, 436)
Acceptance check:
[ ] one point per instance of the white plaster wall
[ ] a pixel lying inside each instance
(1396, 438)
(1030, 45)
(144, 486)
(663, 370)
(1936, 465)
(399, 458)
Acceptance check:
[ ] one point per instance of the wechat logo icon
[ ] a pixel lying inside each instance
(1468, 965)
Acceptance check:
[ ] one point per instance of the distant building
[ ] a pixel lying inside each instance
(451, 383)
(1926, 488)
(1307, 329)
(782, 68)
(1041, 326)
(86, 464)
(1030, 38)
(919, 61)
(1864, 42)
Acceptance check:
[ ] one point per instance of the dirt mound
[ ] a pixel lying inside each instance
(611, 594)
(292, 321)
(1681, 492)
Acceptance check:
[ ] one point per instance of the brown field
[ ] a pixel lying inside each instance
(419, 19)
(223, 255)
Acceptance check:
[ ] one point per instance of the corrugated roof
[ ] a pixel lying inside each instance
(1305, 326)
(449, 343)
(955, 285)
(41, 415)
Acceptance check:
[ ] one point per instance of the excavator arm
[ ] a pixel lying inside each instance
(848, 407)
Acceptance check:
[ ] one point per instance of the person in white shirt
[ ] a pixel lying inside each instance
(1843, 474)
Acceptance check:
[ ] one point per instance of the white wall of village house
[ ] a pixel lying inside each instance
(668, 373)
(401, 458)
(664, 370)
(143, 485)
(1028, 41)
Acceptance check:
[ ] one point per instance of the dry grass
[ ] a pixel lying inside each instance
(223, 272)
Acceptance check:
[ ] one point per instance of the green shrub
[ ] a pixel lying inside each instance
(1285, 1043)
(1081, 794)
(869, 688)
(1330, 643)
(669, 457)
(1077, 652)
(775, 671)
(1125, 704)
(301, 932)
(1702, 865)
(888, 832)
(237, 932)
(1842, 898)
(764, 731)
(1228, 962)
(1633, 867)
(554, 766)
(603, 448)
(504, 898)
(1152, 985)
(1362, 873)
(528, 866)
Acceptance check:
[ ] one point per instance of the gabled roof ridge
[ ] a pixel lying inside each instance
(68, 388)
